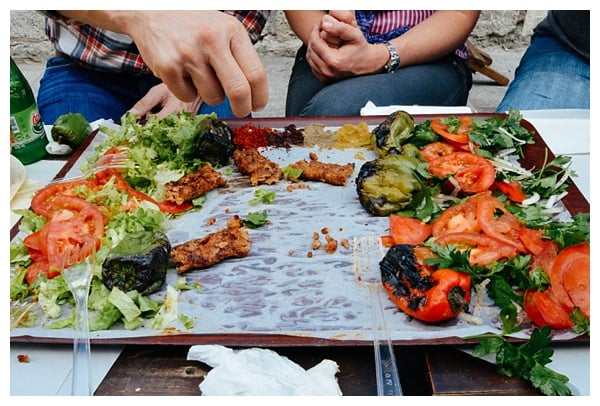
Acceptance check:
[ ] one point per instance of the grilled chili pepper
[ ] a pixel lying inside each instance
(430, 296)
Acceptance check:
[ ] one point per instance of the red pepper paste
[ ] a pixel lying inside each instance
(249, 136)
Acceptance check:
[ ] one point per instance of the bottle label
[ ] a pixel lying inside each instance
(26, 126)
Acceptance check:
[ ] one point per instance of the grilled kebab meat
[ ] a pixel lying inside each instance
(260, 169)
(232, 241)
(194, 185)
(334, 174)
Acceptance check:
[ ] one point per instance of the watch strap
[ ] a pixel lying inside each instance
(394, 63)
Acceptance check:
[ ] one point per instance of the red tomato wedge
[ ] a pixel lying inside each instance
(461, 135)
(484, 250)
(407, 230)
(71, 226)
(41, 203)
(122, 185)
(497, 222)
(35, 269)
(571, 257)
(435, 150)
(473, 173)
(570, 277)
(576, 281)
(460, 218)
(531, 309)
(532, 239)
(545, 258)
(513, 190)
(552, 312)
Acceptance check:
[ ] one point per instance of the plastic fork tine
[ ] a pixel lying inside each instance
(114, 162)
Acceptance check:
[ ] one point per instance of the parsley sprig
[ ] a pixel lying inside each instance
(527, 360)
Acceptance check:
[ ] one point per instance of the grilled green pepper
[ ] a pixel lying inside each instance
(71, 129)
(389, 136)
(139, 262)
(387, 185)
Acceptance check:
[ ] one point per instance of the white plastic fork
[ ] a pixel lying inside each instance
(368, 251)
(110, 161)
(78, 268)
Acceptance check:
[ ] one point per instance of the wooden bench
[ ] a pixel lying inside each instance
(480, 61)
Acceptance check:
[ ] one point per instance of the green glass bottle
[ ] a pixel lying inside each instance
(27, 135)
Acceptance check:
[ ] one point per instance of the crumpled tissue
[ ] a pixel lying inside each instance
(261, 372)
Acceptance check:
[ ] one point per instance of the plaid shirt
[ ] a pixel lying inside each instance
(106, 50)
(380, 26)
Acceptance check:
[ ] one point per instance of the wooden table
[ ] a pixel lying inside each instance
(149, 370)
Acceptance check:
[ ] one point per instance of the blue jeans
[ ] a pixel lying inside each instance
(549, 76)
(66, 87)
(445, 82)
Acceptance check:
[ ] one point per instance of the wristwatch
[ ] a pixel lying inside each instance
(394, 63)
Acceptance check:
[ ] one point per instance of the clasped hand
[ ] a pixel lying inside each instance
(337, 49)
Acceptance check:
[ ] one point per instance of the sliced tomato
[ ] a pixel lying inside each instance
(122, 185)
(529, 305)
(35, 269)
(552, 312)
(473, 173)
(407, 230)
(174, 208)
(460, 136)
(532, 239)
(546, 257)
(574, 261)
(33, 240)
(435, 150)
(41, 201)
(387, 241)
(74, 223)
(484, 250)
(576, 281)
(497, 222)
(459, 218)
(513, 190)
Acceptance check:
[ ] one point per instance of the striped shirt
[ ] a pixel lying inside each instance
(101, 49)
(382, 25)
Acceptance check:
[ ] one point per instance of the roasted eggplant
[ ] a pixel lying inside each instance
(139, 262)
(215, 144)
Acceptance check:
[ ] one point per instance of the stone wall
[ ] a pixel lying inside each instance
(508, 29)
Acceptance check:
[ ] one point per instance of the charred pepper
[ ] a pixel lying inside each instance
(430, 296)
(139, 263)
(389, 136)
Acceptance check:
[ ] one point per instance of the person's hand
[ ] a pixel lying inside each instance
(202, 54)
(337, 49)
(160, 101)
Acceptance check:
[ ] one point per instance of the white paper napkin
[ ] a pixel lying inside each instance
(370, 109)
(262, 372)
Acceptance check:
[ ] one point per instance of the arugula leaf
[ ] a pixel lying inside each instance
(498, 133)
(550, 179)
(423, 134)
(568, 233)
(263, 196)
(255, 220)
(526, 360)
